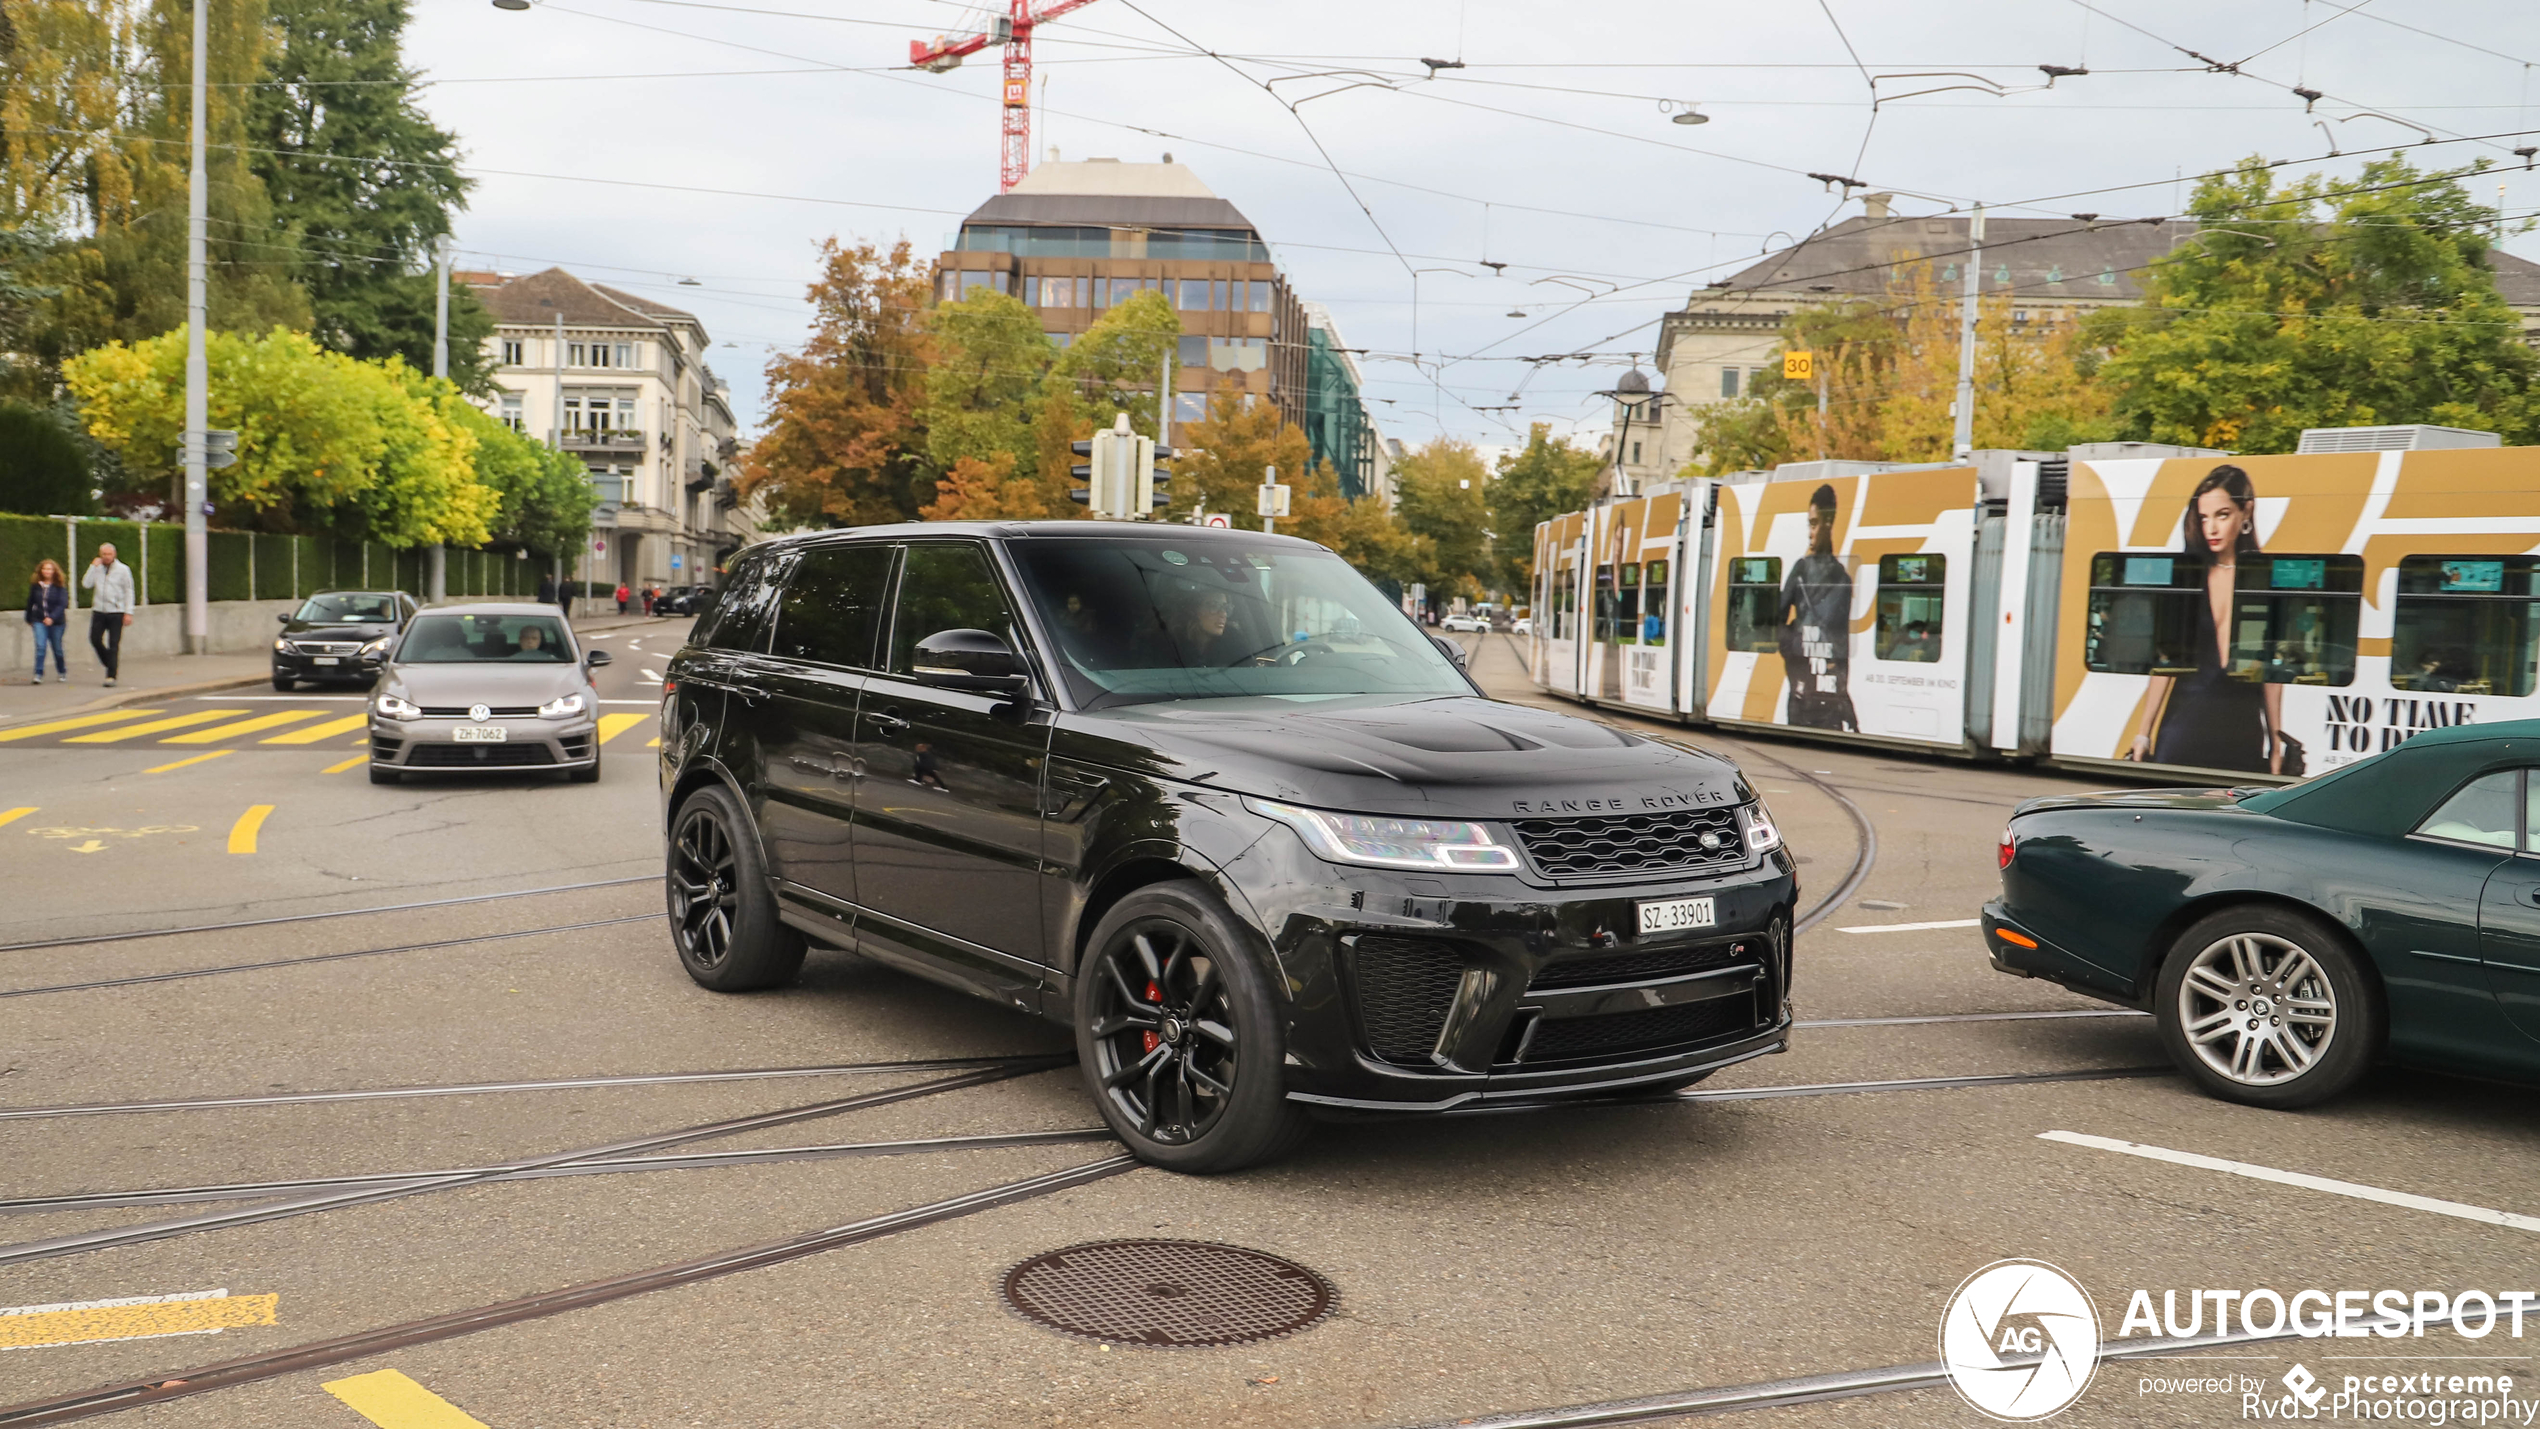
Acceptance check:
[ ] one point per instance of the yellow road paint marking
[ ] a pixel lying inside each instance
(10, 816)
(316, 732)
(390, 1400)
(653, 743)
(141, 1317)
(156, 726)
(191, 759)
(357, 759)
(218, 733)
(613, 725)
(82, 722)
(242, 835)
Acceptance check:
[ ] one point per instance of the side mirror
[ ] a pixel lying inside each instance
(1452, 652)
(284, 618)
(973, 660)
(594, 659)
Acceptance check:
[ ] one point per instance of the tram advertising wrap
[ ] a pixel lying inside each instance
(2285, 615)
(1840, 604)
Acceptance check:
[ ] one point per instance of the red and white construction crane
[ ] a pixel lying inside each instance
(1014, 31)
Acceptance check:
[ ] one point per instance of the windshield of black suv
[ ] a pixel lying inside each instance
(350, 607)
(1142, 619)
(463, 639)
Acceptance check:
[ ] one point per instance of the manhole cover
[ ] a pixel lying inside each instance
(1177, 1294)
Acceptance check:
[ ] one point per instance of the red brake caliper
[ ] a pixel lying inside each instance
(1149, 1041)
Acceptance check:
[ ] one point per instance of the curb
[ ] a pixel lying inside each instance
(121, 698)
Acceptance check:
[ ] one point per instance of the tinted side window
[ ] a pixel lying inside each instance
(947, 587)
(2483, 812)
(831, 610)
(739, 620)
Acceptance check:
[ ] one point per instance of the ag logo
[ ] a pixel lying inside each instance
(2020, 1340)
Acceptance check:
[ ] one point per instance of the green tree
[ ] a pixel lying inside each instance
(366, 181)
(2321, 304)
(1116, 362)
(325, 441)
(44, 468)
(1546, 479)
(543, 498)
(1445, 501)
(843, 444)
(983, 381)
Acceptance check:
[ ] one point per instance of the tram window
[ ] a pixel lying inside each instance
(1626, 628)
(1604, 615)
(2467, 625)
(1653, 603)
(1755, 593)
(2293, 617)
(1912, 599)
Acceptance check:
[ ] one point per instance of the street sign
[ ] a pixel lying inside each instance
(1799, 366)
(1217, 519)
(674, 560)
(1273, 500)
(599, 545)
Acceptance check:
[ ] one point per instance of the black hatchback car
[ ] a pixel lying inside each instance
(339, 636)
(1212, 800)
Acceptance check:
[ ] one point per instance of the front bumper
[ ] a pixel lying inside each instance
(1411, 993)
(433, 743)
(291, 665)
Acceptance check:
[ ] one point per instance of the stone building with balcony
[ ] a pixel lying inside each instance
(621, 382)
(1073, 239)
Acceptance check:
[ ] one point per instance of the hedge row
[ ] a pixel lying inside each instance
(247, 565)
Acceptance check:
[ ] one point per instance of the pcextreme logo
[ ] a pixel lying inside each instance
(2020, 1340)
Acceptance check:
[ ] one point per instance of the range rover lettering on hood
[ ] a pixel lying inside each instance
(1638, 803)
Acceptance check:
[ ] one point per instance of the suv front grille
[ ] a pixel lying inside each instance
(1405, 986)
(1636, 967)
(1627, 844)
(1650, 1031)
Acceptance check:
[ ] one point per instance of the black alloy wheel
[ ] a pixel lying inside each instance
(382, 774)
(723, 918)
(589, 774)
(285, 683)
(1180, 1037)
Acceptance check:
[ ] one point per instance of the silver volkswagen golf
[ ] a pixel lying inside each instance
(492, 686)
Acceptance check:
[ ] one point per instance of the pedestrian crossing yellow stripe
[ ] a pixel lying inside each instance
(218, 733)
(189, 759)
(156, 726)
(347, 764)
(56, 726)
(13, 815)
(390, 1400)
(316, 732)
(613, 725)
(88, 1324)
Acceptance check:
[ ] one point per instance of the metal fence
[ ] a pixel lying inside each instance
(245, 565)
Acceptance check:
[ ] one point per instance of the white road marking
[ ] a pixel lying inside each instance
(285, 699)
(2510, 1219)
(1908, 927)
(652, 677)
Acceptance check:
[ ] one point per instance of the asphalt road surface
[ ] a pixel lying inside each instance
(424, 1097)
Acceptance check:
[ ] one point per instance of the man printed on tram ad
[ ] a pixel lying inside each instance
(1816, 626)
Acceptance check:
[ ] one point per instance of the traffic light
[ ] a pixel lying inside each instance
(1158, 475)
(1123, 473)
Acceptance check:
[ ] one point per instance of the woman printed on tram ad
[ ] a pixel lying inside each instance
(1816, 627)
(2213, 718)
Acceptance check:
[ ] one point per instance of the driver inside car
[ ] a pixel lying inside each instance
(1196, 634)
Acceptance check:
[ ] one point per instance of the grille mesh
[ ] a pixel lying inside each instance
(1404, 988)
(1623, 844)
(461, 711)
(1641, 1031)
(479, 756)
(1636, 967)
(1172, 1294)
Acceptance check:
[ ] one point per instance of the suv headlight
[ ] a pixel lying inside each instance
(1384, 841)
(281, 644)
(377, 649)
(396, 708)
(561, 706)
(1761, 835)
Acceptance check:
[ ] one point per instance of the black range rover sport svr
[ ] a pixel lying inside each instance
(1212, 800)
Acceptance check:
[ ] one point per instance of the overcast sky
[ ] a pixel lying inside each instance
(643, 142)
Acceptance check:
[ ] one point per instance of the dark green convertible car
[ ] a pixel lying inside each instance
(2288, 939)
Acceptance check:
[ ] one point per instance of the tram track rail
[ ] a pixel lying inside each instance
(229, 1374)
(142, 934)
(345, 1197)
(180, 974)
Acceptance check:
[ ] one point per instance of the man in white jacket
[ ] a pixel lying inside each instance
(111, 610)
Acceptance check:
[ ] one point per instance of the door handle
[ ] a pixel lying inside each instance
(751, 693)
(2530, 897)
(888, 723)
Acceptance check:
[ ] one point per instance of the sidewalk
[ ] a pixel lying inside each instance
(174, 677)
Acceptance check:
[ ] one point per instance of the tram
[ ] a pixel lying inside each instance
(2124, 607)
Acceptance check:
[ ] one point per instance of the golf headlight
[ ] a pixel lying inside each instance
(1384, 841)
(396, 708)
(1761, 836)
(561, 706)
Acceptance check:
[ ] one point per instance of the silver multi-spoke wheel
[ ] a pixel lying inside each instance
(2257, 1008)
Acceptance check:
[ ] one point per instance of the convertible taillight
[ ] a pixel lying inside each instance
(2003, 851)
